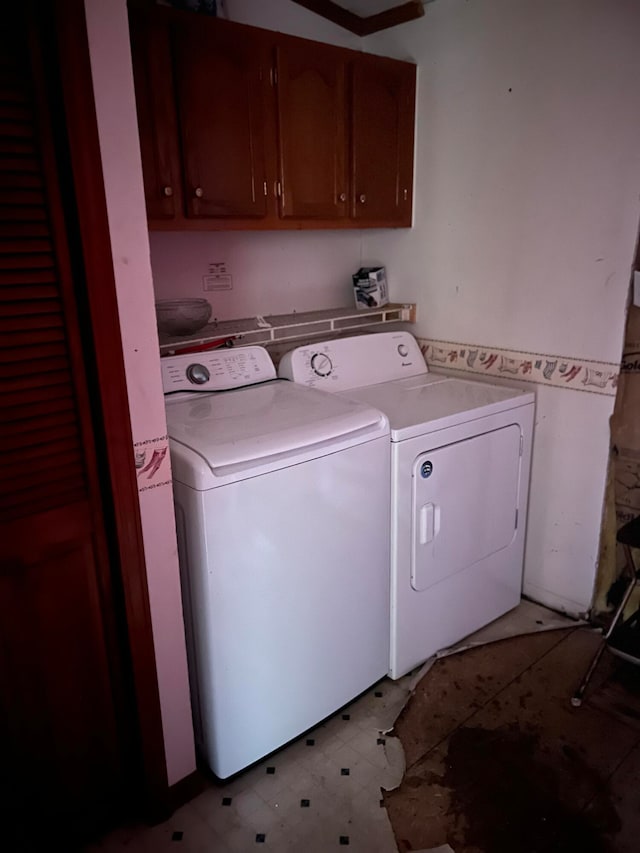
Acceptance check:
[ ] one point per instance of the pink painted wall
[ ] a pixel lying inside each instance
(117, 125)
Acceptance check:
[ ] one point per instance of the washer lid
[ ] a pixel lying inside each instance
(277, 419)
(424, 404)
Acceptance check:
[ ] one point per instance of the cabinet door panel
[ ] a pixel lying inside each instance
(382, 128)
(312, 130)
(220, 76)
(156, 113)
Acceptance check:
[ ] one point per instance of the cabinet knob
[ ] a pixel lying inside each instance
(167, 191)
(362, 198)
(198, 192)
(342, 197)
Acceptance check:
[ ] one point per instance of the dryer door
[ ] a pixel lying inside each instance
(465, 500)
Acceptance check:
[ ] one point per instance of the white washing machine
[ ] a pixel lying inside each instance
(460, 454)
(282, 501)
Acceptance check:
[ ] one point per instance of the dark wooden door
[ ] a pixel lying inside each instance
(382, 140)
(155, 106)
(312, 126)
(70, 760)
(221, 73)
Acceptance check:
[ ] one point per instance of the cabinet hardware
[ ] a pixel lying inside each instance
(273, 76)
(198, 192)
(278, 189)
(405, 194)
(264, 187)
(362, 198)
(342, 197)
(167, 191)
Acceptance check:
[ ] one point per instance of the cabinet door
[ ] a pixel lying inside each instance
(312, 130)
(221, 72)
(382, 138)
(156, 113)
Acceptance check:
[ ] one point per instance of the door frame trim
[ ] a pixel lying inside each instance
(86, 163)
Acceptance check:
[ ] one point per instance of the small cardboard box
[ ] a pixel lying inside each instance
(370, 287)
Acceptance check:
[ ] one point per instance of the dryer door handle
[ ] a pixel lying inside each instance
(428, 523)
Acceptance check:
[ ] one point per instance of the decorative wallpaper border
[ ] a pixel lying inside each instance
(151, 458)
(578, 374)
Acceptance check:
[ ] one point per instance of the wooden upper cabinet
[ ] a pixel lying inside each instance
(383, 110)
(155, 104)
(312, 130)
(221, 70)
(246, 128)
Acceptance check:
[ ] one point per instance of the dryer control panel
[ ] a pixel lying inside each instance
(346, 363)
(219, 370)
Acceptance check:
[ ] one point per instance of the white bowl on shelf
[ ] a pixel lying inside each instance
(182, 316)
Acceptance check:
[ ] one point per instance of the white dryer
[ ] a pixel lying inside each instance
(282, 502)
(461, 454)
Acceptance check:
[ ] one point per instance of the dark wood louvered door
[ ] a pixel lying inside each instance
(63, 708)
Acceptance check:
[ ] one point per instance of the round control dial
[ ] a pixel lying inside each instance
(321, 364)
(403, 349)
(197, 374)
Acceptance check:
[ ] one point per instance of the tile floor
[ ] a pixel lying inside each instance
(321, 793)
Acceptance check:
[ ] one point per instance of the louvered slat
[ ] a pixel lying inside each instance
(42, 500)
(31, 454)
(38, 438)
(26, 260)
(43, 479)
(29, 396)
(27, 276)
(25, 323)
(17, 111)
(29, 430)
(16, 146)
(12, 230)
(47, 366)
(31, 467)
(22, 196)
(22, 214)
(18, 178)
(41, 458)
(9, 355)
(62, 402)
(35, 380)
(21, 308)
(9, 293)
(33, 337)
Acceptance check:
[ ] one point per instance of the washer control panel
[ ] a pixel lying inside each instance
(346, 363)
(217, 370)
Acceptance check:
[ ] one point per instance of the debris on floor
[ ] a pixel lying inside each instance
(498, 761)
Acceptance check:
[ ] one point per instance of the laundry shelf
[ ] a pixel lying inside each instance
(282, 327)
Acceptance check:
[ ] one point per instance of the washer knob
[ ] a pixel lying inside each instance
(403, 349)
(197, 374)
(321, 364)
